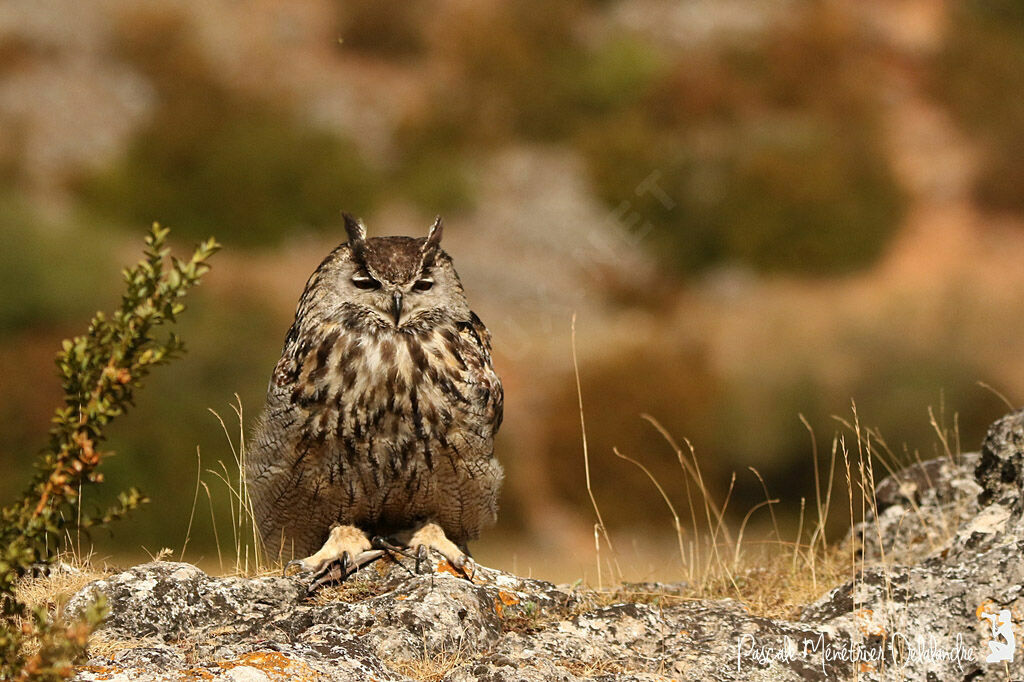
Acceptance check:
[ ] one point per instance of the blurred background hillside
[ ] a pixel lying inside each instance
(757, 210)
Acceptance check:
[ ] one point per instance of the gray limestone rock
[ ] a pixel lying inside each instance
(1000, 472)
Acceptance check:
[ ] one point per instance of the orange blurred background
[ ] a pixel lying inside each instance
(756, 211)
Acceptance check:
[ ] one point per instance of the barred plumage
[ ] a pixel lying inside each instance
(382, 411)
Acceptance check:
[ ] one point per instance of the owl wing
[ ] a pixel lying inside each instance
(480, 373)
(301, 393)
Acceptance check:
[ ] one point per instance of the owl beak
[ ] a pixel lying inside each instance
(396, 308)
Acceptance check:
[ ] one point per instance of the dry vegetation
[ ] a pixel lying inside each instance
(770, 575)
(52, 590)
(429, 667)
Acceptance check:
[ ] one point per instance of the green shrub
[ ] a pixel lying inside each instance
(99, 372)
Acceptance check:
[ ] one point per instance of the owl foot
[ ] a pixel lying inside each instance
(339, 570)
(431, 536)
(417, 545)
(346, 551)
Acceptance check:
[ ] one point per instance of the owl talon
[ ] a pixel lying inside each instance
(421, 559)
(464, 565)
(332, 572)
(377, 542)
(339, 570)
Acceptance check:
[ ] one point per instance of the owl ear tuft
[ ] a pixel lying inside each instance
(356, 233)
(432, 243)
(354, 227)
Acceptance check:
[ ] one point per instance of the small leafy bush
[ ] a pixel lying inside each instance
(99, 372)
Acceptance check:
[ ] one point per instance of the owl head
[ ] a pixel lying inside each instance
(395, 281)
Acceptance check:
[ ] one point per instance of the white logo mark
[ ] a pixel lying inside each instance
(1003, 641)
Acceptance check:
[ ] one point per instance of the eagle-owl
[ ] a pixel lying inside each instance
(381, 414)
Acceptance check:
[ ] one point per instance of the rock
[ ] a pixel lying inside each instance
(386, 617)
(918, 509)
(155, 657)
(953, 559)
(171, 600)
(507, 671)
(245, 673)
(932, 605)
(1000, 471)
(942, 563)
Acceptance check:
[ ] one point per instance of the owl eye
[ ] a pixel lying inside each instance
(423, 285)
(362, 282)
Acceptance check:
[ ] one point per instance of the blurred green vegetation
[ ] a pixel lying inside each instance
(53, 278)
(980, 75)
(215, 158)
(49, 275)
(517, 72)
(766, 154)
(769, 154)
(523, 70)
(436, 173)
(233, 346)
